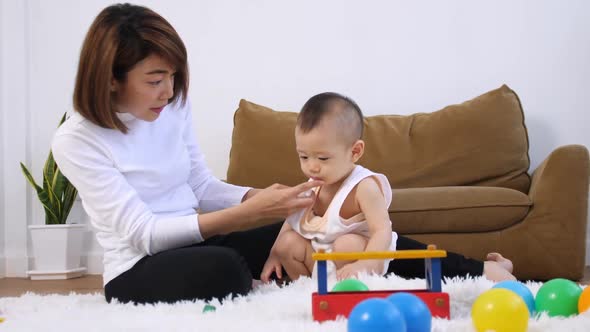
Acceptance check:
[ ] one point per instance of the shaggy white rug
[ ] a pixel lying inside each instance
(267, 308)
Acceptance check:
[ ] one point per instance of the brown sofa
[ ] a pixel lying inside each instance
(459, 178)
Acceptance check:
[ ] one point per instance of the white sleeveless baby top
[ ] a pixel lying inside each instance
(323, 230)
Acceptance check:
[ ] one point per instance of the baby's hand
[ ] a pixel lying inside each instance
(272, 265)
(352, 270)
(349, 271)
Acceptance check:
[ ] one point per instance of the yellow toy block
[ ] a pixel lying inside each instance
(402, 254)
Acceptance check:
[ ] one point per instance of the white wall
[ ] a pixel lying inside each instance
(396, 57)
(2, 260)
(15, 112)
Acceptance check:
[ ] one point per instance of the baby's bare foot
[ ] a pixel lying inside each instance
(495, 272)
(498, 258)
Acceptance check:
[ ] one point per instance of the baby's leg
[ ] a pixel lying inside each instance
(294, 252)
(348, 243)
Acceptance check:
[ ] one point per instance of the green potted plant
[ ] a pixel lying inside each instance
(57, 245)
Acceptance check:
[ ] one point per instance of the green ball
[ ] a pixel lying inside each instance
(350, 285)
(558, 297)
(208, 308)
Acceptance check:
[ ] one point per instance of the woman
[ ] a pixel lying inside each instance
(170, 230)
(130, 151)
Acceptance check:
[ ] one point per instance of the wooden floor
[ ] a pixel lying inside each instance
(87, 284)
(82, 285)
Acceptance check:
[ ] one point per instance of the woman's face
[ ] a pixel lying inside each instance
(148, 87)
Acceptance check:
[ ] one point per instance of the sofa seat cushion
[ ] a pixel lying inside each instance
(456, 209)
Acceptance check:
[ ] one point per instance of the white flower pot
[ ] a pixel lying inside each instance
(57, 250)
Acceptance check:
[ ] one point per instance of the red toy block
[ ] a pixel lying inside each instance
(331, 305)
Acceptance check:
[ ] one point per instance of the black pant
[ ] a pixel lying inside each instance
(226, 264)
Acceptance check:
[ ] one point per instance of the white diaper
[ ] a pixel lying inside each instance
(330, 268)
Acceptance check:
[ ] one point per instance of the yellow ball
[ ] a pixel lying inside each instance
(500, 310)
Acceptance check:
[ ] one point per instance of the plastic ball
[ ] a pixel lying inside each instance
(584, 301)
(350, 285)
(376, 315)
(558, 297)
(208, 308)
(500, 310)
(521, 290)
(415, 312)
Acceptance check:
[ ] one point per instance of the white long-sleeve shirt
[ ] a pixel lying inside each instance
(141, 189)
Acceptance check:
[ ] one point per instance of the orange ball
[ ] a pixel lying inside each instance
(584, 301)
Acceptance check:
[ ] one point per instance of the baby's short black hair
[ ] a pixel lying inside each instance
(343, 108)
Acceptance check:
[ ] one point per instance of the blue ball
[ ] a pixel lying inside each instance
(416, 313)
(521, 290)
(376, 315)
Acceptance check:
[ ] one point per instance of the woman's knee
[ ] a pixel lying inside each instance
(218, 272)
(228, 262)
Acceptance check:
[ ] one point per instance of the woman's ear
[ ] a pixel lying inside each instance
(114, 85)
(358, 148)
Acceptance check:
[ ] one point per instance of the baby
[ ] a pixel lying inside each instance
(350, 209)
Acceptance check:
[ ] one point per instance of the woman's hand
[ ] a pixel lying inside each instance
(250, 194)
(279, 201)
(260, 207)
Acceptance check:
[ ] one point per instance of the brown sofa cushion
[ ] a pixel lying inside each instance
(456, 209)
(263, 147)
(479, 142)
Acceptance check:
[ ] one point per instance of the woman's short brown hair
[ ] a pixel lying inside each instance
(120, 37)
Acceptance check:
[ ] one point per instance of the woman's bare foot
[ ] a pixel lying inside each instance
(498, 268)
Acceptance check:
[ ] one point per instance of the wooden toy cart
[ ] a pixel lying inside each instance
(328, 305)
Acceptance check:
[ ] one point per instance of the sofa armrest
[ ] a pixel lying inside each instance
(558, 218)
(566, 167)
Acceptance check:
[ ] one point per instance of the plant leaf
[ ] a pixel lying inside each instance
(69, 198)
(63, 119)
(47, 183)
(29, 177)
(57, 194)
(53, 199)
(43, 196)
(49, 168)
(58, 185)
(49, 209)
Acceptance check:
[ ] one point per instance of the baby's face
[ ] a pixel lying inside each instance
(324, 154)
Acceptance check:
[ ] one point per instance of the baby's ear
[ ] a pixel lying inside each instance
(358, 148)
